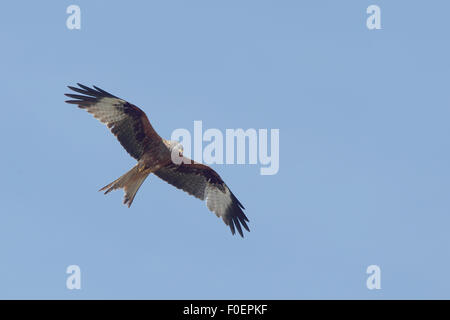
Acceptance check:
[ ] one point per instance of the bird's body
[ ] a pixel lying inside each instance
(156, 155)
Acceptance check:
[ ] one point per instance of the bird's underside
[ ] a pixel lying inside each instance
(154, 155)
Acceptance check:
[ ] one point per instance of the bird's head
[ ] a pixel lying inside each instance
(176, 150)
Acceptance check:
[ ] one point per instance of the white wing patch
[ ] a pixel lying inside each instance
(217, 201)
(108, 110)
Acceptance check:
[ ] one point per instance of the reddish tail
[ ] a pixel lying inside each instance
(130, 182)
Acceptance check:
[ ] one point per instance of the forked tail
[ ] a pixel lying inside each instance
(130, 182)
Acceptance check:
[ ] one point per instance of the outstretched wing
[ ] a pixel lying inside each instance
(204, 183)
(127, 122)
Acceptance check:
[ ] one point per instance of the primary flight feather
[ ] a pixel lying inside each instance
(154, 155)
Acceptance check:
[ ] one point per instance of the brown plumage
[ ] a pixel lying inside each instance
(154, 155)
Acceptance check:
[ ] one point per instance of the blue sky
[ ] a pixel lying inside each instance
(364, 149)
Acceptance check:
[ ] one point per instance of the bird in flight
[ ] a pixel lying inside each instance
(156, 155)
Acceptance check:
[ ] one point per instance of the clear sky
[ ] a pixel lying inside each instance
(364, 174)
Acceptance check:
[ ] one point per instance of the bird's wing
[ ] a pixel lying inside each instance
(204, 183)
(127, 122)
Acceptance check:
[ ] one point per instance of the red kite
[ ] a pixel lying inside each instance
(154, 155)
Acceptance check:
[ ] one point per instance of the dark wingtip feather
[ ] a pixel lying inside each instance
(236, 220)
(231, 225)
(73, 101)
(88, 95)
(238, 226)
(84, 87)
(235, 200)
(106, 93)
(83, 91)
(80, 97)
(244, 224)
